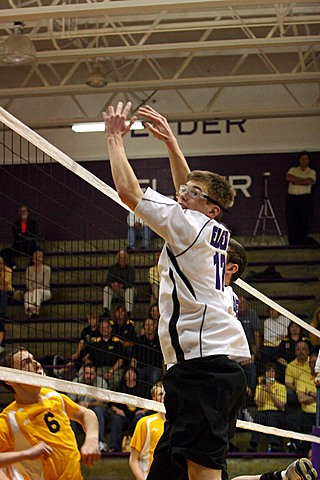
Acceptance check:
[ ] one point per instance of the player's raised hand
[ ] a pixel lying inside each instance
(115, 120)
(159, 126)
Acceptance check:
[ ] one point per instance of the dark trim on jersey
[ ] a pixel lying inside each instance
(180, 273)
(173, 332)
(194, 241)
(201, 328)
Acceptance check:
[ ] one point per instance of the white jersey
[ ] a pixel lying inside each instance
(195, 321)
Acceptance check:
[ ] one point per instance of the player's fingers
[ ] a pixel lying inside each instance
(127, 109)
(119, 108)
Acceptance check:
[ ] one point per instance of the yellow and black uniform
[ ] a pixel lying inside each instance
(145, 438)
(23, 426)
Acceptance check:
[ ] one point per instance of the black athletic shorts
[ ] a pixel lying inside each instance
(202, 397)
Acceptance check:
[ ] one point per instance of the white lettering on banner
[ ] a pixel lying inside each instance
(207, 127)
(238, 182)
(242, 183)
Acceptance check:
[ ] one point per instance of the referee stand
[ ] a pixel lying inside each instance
(266, 213)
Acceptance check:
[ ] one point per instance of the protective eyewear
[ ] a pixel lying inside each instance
(195, 192)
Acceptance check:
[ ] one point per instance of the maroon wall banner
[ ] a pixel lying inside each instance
(51, 192)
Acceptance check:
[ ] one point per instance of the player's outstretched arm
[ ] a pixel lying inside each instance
(160, 128)
(124, 178)
(90, 452)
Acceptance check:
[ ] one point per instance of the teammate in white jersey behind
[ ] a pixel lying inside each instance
(205, 385)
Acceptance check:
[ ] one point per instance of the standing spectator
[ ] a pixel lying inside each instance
(270, 398)
(285, 352)
(275, 329)
(125, 417)
(315, 322)
(6, 289)
(299, 201)
(107, 355)
(38, 285)
(251, 324)
(137, 229)
(154, 279)
(120, 284)
(145, 438)
(299, 366)
(147, 357)
(97, 406)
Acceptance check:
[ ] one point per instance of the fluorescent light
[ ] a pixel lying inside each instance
(99, 127)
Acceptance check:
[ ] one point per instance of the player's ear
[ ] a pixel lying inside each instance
(214, 211)
(232, 268)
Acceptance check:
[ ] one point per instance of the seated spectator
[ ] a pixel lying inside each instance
(146, 356)
(2, 335)
(154, 313)
(97, 406)
(89, 335)
(120, 284)
(315, 322)
(123, 329)
(275, 329)
(270, 398)
(124, 417)
(285, 352)
(303, 420)
(154, 279)
(145, 438)
(299, 366)
(38, 285)
(6, 290)
(106, 354)
(25, 232)
(251, 325)
(137, 230)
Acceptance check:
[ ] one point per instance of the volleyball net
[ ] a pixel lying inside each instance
(81, 226)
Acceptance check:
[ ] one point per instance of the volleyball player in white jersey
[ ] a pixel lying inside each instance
(205, 386)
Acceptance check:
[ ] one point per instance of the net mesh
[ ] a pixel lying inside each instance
(81, 226)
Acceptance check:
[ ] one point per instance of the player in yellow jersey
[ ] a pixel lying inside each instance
(145, 438)
(42, 414)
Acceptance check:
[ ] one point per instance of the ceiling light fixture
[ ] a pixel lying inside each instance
(17, 49)
(99, 127)
(96, 79)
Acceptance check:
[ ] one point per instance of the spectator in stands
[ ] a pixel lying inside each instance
(270, 398)
(107, 355)
(147, 357)
(124, 417)
(251, 325)
(154, 312)
(145, 438)
(299, 366)
(120, 284)
(97, 406)
(275, 329)
(299, 201)
(303, 420)
(89, 336)
(38, 285)
(6, 290)
(137, 229)
(2, 335)
(315, 322)
(154, 279)
(285, 352)
(123, 329)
